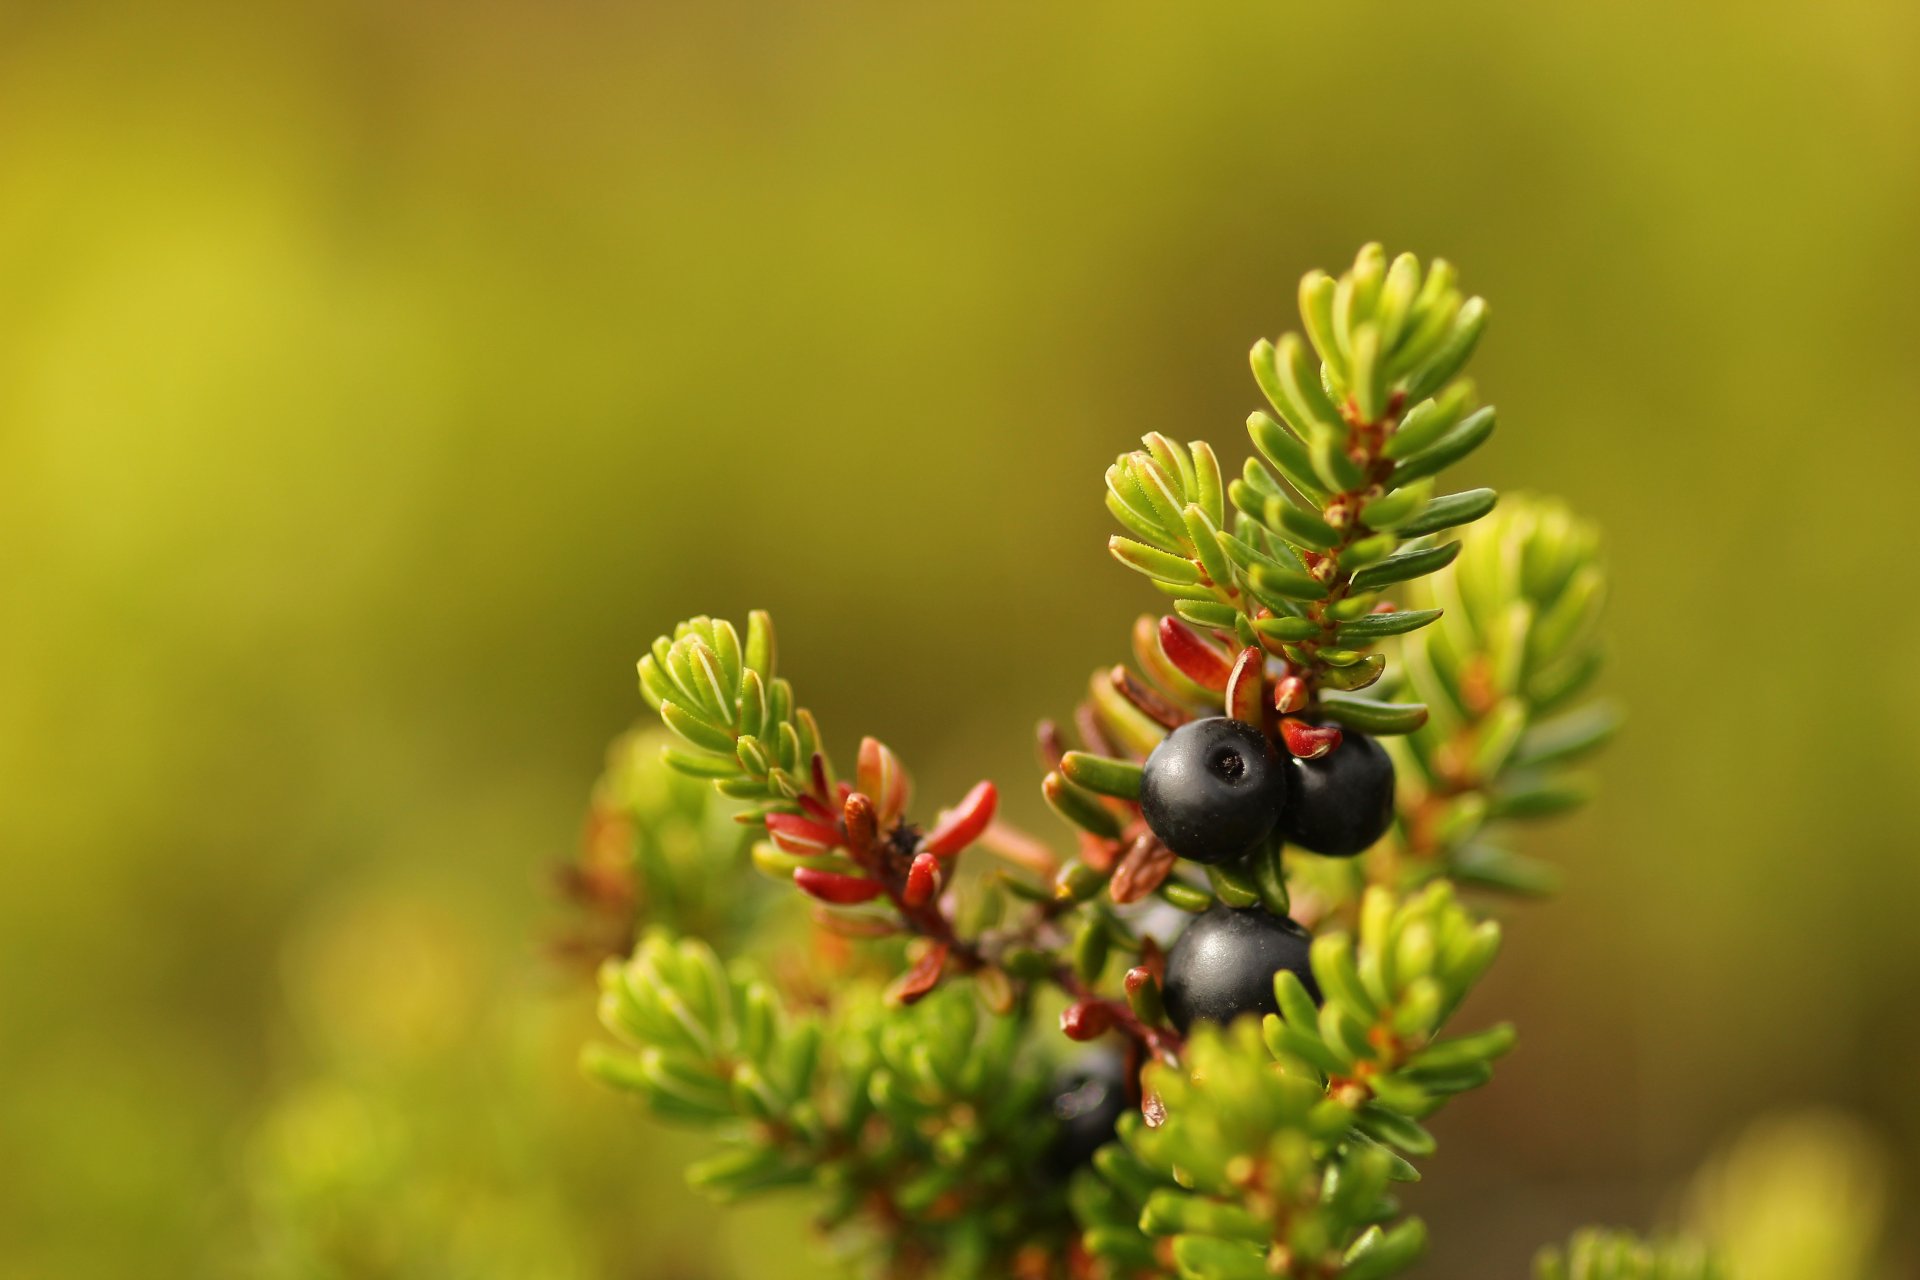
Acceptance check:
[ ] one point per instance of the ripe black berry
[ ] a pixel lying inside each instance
(1212, 789)
(1088, 1101)
(1343, 802)
(1224, 964)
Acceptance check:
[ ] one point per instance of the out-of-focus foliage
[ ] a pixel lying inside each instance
(374, 379)
(1797, 1195)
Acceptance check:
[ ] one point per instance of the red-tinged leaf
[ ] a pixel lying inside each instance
(818, 768)
(1309, 741)
(922, 978)
(1141, 870)
(1199, 659)
(834, 888)
(1098, 853)
(1290, 694)
(923, 880)
(802, 836)
(1093, 737)
(1021, 849)
(1086, 1020)
(882, 776)
(1050, 743)
(961, 825)
(862, 825)
(1155, 707)
(1246, 686)
(1144, 996)
(818, 810)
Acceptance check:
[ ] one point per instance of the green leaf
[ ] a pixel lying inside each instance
(1369, 374)
(1425, 423)
(1207, 1258)
(1490, 867)
(1287, 454)
(1451, 448)
(1542, 799)
(1395, 1129)
(1080, 807)
(1152, 561)
(1390, 1253)
(1207, 613)
(1367, 551)
(1569, 736)
(696, 730)
(1376, 625)
(1316, 310)
(1107, 777)
(1331, 463)
(1287, 628)
(1300, 384)
(1300, 525)
(1453, 352)
(1209, 489)
(1355, 675)
(1370, 716)
(1394, 509)
(1408, 564)
(1271, 579)
(1234, 886)
(1450, 511)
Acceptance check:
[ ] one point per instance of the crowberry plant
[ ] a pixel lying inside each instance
(1288, 819)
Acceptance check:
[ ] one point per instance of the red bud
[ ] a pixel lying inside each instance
(1289, 695)
(1145, 865)
(961, 825)
(882, 776)
(1085, 1020)
(923, 880)
(801, 836)
(831, 886)
(1200, 660)
(1307, 741)
(862, 825)
(922, 978)
(1150, 703)
(1244, 686)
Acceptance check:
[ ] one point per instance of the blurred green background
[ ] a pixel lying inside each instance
(376, 380)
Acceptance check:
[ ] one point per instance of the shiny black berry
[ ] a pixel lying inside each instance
(1212, 789)
(1341, 803)
(1088, 1101)
(1223, 965)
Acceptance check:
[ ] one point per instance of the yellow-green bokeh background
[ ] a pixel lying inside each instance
(376, 380)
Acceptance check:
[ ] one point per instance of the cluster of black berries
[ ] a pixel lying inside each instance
(1214, 791)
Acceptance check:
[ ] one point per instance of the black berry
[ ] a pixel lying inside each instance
(1087, 1103)
(1341, 803)
(1212, 789)
(1224, 964)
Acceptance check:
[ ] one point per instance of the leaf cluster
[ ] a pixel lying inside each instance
(1504, 675)
(1294, 556)
(1279, 1138)
(927, 1120)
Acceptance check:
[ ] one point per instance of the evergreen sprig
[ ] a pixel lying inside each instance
(1263, 1148)
(1276, 1142)
(1340, 505)
(918, 1122)
(1504, 674)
